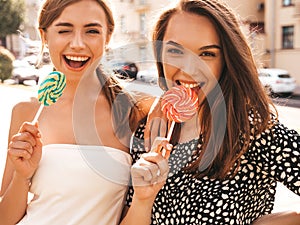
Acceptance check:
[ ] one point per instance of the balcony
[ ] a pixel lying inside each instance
(142, 5)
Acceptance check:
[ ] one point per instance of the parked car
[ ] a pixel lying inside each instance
(125, 69)
(23, 71)
(277, 81)
(149, 75)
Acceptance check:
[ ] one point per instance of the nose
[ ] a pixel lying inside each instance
(190, 64)
(77, 41)
(195, 67)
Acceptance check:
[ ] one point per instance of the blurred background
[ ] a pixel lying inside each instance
(272, 27)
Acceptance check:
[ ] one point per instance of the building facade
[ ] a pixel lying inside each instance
(282, 19)
(272, 26)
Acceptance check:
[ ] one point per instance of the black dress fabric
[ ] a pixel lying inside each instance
(273, 156)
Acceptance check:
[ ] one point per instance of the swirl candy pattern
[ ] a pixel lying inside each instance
(180, 104)
(51, 88)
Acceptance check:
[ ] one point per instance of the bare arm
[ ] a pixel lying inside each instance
(149, 175)
(280, 218)
(23, 156)
(14, 201)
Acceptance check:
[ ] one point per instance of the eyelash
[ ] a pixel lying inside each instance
(175, 51)
(63, 31)
(180, 52)
(93, 31)
(89, 31)
(208, 54)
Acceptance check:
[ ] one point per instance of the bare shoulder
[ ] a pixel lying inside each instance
(21, 112)
(144, 103)
(141, 109)
(26, 109)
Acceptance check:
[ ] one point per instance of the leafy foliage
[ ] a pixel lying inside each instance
(11, 16)
(6, 64)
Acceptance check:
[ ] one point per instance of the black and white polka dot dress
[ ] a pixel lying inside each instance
(273, 156)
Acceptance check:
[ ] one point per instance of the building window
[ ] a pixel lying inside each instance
(143, 24)
(143, 54)
(123, 24)
(288, 37)
(258, 27)
(287, 2)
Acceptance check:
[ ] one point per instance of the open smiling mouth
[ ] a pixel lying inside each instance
(76, 61)
(190, 85)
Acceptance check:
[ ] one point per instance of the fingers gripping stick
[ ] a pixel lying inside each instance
(145, 173)
(156, 144)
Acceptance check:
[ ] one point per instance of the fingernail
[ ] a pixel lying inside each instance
(169, 147)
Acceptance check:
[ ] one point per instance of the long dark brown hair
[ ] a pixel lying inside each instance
(241, 93)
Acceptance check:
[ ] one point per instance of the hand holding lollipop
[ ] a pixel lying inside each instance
(50, 90)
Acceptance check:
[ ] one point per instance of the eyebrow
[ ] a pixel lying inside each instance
(210, 47)
(175, 44)
(66, 24)
(202, 48)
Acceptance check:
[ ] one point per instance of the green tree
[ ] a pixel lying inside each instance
(6, 64)
(12, 14)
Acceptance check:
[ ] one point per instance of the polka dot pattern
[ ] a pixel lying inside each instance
(273, 156)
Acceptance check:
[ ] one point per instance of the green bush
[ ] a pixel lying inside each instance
(6, 64)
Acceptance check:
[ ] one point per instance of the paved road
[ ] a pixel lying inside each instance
(11, 94)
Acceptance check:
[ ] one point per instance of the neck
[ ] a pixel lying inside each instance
(86, 87)
(190, 129)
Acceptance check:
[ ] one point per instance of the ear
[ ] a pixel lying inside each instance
(43, 35)
(107, 39)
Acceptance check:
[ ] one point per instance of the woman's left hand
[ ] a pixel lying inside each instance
(150, 172)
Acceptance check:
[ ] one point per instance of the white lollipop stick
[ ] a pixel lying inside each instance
(38, 113)
(158, 140)
(171, 130)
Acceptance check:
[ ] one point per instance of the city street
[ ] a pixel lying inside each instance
(11, 94)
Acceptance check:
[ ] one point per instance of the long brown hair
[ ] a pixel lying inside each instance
(123, 103)
(240, 91)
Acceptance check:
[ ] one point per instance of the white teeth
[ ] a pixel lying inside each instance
(189, 85)
(77, 58)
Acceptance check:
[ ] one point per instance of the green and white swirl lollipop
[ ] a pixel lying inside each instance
(50, 90)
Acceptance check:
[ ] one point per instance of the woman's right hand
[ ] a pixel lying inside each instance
(156, 125)
(25, 150)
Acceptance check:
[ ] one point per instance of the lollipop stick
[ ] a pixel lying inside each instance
(158, 140)
(170, 130)
(38, 113)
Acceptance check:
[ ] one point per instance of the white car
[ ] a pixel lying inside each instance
(149, 75)
(277, 81)
(23, 71)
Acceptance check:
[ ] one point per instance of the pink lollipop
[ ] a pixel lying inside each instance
(179, 105)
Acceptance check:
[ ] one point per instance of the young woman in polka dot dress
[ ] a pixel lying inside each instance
(225, 161)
